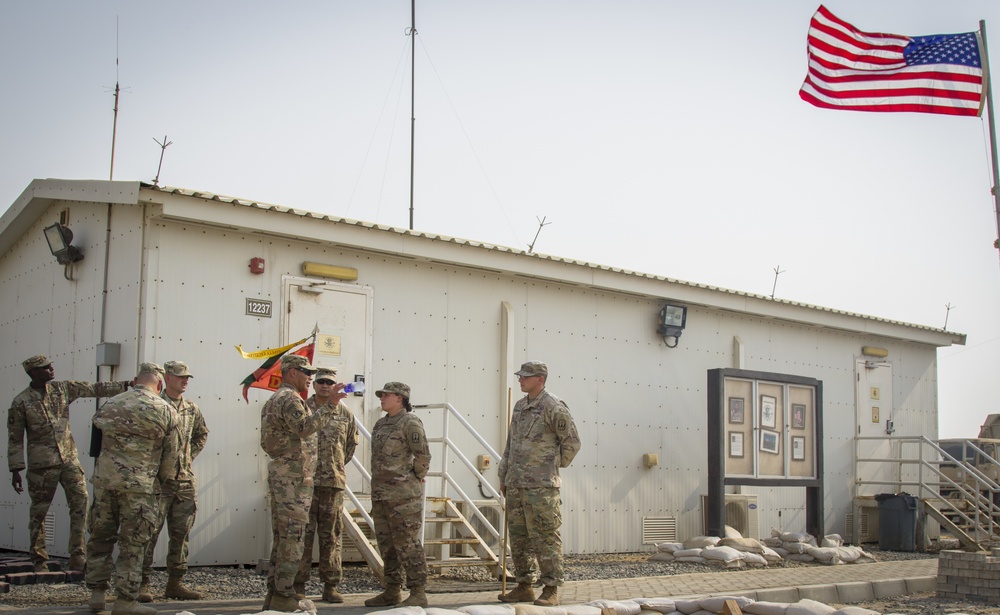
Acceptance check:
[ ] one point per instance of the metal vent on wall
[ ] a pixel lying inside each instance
(659, 529)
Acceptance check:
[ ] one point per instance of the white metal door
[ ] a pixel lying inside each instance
(874, 418)
(342, 314)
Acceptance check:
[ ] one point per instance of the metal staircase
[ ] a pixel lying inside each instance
(456, 532)
(952, 491)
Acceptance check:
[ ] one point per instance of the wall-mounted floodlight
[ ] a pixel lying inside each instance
(673, 319)
(60, 238)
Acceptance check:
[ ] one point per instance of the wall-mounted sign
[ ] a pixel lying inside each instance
(258, 307)
(328, 344)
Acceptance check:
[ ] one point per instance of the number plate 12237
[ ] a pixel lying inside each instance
(258, 307)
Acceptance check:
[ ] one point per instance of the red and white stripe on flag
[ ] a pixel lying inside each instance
(870, 71)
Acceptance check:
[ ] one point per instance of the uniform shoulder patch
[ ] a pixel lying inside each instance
(561, 425)
(415, 437)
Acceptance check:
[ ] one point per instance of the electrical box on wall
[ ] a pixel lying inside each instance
(109, 354)
(483, 462)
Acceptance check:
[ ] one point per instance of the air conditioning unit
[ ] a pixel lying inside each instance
(862, 524)
(494, 514)
(741, 514)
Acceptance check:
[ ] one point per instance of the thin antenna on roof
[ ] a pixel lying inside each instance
(947, 307)
(541, 223)
(114, 130)
(413, 93)
(163, 148)
(777, 271)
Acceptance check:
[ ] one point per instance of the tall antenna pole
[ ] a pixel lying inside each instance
(114, 129)
(163, 148)
(413, 90)
(776, 274)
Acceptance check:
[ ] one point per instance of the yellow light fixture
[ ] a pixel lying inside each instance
(874, 351)
(335, 272)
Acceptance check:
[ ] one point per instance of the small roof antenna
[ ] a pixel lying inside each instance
(947, 311)
(541, 223)
(163, 148)
(777, 271)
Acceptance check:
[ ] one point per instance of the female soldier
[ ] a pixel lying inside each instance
(400, 460)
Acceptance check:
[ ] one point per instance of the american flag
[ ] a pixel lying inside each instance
(870, 71)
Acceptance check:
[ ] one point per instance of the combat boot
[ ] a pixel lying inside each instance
(417, 597)
(131, 607)
(41, 567)
(284, 604)
(299, 589)
(549, 597)
(267, 600)
(145, 593)
(330, 593)
(390, 597)
(97, 601)
(521, 593)
(176, 589)
(77, 563)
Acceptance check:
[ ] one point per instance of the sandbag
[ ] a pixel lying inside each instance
(403, 610)
(700, 542)
(796, 547)
(688, 552)
(832, 540)
(688, 606)
(725, 554)
(582, 609)
(754, 559)
(531, 609)
(765, 608)
(854, 610)
(771, 555)
(488, 609)
(715, 604)
(662, 556)
(690, 559)
(661, 605)
(718, 563)
(747, 545)
(669, 547)
(803, 557)
(732, 532)
(809, 607)
(620, 607)
(825, 555)
(433, 610)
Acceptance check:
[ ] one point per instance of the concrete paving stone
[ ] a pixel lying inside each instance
(778, 594)
(916, 585)
(889, 588)
(4, 587)
(856, 591)
(50, 577)
(820, 593)
(21, 578)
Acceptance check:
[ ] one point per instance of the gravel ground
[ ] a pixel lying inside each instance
(221, 583)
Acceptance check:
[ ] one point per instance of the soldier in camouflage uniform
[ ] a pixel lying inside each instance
(139, 450)
(541, 439)
(400, 461)
(42, 412)
(178, 496)
(286, 422)
(335, 443)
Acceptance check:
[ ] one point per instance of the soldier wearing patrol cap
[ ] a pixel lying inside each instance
(541, 439)
(334, 443)
(139, 450)
(400, 461)
(178, 496)
(41, 412)
(286, 422)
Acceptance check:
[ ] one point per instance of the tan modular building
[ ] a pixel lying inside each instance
(170, 274)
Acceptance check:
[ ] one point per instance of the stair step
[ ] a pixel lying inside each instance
(451, 541)
(443, 520)
(460, 563)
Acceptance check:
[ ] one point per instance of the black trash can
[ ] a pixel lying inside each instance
(897, 521)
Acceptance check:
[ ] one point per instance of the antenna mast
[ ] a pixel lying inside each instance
(163, 148)
(413, 89)
(114, 129)
(541, 223)
(776, 274)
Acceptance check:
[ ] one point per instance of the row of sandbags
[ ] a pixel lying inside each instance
(643, 606)
(735, 551)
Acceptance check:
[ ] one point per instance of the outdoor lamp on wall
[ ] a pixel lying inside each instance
(60, 238)
(673, 318)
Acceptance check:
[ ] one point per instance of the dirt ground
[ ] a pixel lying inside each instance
(928, 604)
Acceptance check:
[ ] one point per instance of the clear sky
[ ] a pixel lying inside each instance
(663, 136)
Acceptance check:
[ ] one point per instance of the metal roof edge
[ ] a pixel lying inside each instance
(745, 302)
(41, 193)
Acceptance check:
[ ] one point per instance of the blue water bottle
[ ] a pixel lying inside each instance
(355, 387)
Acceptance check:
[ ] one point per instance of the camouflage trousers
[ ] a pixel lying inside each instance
(398, 526)
(42, 483)
(290, 500)
(534, 517)
(324, 519)
(178, 505)
(125, 519)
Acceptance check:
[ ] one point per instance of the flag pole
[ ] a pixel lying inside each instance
(993, 131)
